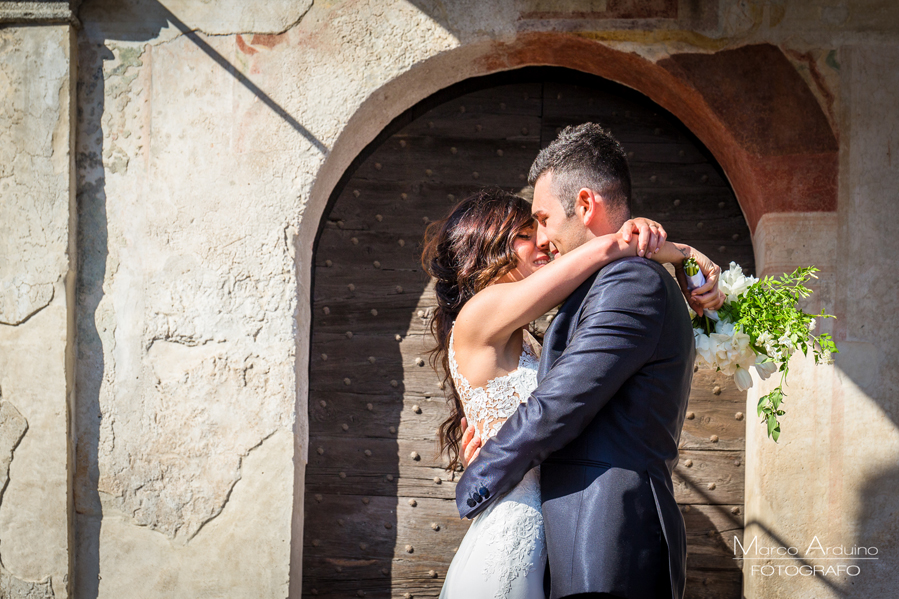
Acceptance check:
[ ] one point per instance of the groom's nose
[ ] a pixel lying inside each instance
(542, 239)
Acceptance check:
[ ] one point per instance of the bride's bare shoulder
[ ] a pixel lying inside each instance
(474, 315)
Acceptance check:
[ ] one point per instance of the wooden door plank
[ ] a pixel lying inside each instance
(698, 469)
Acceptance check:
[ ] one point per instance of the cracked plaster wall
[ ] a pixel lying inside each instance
(34, 240)
(35, 311)
(191, 191)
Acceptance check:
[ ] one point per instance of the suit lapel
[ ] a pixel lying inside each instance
(556, 339)
(546, 360)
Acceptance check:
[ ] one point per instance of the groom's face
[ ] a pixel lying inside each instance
(556, 232)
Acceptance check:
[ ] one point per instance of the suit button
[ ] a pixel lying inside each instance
(483, 492)
(472, 502)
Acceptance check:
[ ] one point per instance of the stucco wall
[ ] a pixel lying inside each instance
(196, 154)
(834, 473)
(209, 138)
(36, 280)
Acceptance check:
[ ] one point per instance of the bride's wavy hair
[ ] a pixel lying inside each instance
(465, 252)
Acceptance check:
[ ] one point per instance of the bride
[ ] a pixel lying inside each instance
(493, 279)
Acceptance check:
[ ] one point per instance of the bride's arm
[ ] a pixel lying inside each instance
(493, 314)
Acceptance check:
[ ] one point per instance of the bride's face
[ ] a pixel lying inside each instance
(529, 256)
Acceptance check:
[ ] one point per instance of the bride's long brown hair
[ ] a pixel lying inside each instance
(465, 252)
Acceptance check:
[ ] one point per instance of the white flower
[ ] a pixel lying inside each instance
(765, 369)
(734, 283)
(744, 357)
(811, 325)
(724, 327)
(766, 340)
(727, 348)
(723, 348)
(741, 340)
(742, 379)
(705, 348)
(787, 346)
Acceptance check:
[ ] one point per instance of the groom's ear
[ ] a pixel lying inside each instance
(586, 206)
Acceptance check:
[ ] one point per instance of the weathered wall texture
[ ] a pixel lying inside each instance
(209, 138)
(196, 153)
(834, 474)
(205, 160)
(35, 309)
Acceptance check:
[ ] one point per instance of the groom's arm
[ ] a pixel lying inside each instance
(617, 333)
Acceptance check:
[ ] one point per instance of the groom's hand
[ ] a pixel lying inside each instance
(471, 443)
(651, 235)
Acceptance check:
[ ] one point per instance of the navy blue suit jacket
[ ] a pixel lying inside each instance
(604, 423)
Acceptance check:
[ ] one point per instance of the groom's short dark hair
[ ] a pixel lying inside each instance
(586, 156)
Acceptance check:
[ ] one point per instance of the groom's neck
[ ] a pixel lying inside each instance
(598, 229)
(607, 224)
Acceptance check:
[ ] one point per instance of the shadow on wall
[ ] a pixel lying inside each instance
(136, 21)
(90, 364)
(874, 523)
(142, 21)
(877, 505)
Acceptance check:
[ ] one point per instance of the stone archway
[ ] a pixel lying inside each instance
(748, 105)
(724, 98)
(380, 519)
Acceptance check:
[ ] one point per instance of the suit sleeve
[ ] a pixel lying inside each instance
(617, 333)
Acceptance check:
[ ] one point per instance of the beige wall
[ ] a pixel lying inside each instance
(36, 284)
(209, 137)
(834, 473)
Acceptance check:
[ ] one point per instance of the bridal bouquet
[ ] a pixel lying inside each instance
(759, 326)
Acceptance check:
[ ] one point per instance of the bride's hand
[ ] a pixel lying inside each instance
(651, 235)
(471, 443)
(707, 297)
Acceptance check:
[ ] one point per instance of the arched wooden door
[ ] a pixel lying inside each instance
(380, 520)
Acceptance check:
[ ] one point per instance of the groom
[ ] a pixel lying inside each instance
(606, 417)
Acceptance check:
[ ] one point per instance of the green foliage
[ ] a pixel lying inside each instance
(769, 314)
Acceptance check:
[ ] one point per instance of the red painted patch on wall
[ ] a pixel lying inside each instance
(269, 41)
(244, 47)
(760, 97)
(819, 80)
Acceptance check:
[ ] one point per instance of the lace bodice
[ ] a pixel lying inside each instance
(488, 407)
(504, 552)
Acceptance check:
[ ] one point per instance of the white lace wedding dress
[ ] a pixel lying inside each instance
(503, 554)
